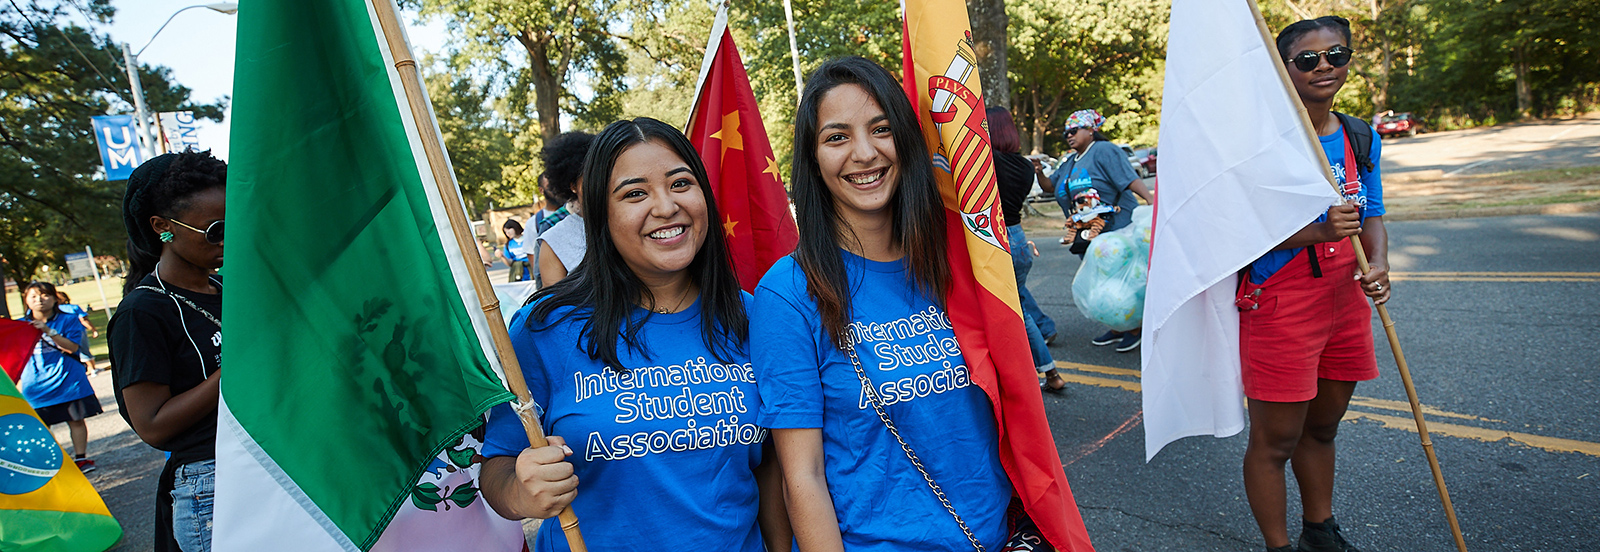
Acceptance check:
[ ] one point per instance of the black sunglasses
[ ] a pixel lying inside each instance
(213, 232)
(1073, 130)
(1338, 56)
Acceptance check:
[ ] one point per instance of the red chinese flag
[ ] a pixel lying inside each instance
(17, 340)
(941, 79)
(726, 129)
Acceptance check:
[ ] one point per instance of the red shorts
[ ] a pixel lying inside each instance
(1295, 329)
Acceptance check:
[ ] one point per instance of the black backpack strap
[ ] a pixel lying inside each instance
(1316, 267)
(1360, 134)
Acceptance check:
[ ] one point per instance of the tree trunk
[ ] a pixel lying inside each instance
(546, 84)
(1038, 123)
(1380, 85)
(1524, 93)
(989, 22)
(5, 307)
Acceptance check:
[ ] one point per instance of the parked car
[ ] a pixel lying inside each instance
(1147, 159)
(1133, 161)
(1391, 124)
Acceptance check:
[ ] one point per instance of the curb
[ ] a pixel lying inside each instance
(1505, 211)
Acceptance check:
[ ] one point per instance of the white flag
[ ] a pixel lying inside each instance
(1238, 177)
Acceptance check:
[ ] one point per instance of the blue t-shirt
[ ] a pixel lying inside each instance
(675, 434)
(1365, 192)
(52, 377)
(514, 249)
(1105, 167)
(909, 351)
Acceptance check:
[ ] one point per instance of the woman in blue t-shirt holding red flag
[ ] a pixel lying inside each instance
(1305, 330)
(854, 338)
(638, 365)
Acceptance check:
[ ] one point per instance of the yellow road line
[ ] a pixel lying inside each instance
(1073, 374)
(1553, 444)
(1401, 406)
(1568, 274)
(1486, 279)
(1097, 369)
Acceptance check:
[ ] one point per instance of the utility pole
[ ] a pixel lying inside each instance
(140, 114)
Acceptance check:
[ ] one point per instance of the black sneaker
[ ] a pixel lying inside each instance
(1111, 336)
(1324, 537)
(1130, 341)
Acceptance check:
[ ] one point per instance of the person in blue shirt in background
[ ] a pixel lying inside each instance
(639, 360)
(868, 283)
(65, 302)
(1098, 163)
(54, 382)
(512, 251)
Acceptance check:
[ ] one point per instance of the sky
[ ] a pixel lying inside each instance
(199, 48)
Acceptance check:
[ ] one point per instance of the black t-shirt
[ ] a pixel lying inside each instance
(1015, 178)
(156, 338)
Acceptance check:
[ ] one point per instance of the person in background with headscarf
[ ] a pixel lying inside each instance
(1095, 162)
(166, 337)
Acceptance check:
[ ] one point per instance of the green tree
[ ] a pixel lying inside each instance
(54, 76)
(482, 142)
(1067, 55)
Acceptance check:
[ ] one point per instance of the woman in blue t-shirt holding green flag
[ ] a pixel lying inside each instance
(863, 298)
(638, 365)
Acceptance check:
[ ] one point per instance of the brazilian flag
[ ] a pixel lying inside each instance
(46, 504)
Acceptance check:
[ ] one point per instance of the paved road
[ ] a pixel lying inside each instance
(1498, 319)
(1524, 146)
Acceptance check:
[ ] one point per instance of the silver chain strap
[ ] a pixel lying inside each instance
(883, 415)
(186, 301)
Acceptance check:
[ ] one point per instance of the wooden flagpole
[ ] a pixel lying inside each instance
(449, 194)
(1383, 312)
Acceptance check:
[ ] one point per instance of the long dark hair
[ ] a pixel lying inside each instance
(605, 290)
(1295, 30)
(162, 186)
(918, 225)
(45, 288)
(1003, 133)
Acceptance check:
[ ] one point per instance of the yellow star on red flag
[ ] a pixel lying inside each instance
(728, 224)
(729, 134)
(772, 169)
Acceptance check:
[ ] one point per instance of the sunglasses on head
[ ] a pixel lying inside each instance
(1338, 56)
(213, 232)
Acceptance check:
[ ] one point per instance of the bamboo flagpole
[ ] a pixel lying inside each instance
(449, 194)
(1383, 312)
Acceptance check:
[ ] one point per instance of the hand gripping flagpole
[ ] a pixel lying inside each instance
(1383, 312)
(450, 196)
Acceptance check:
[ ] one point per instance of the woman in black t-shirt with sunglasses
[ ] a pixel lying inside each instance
(166, 337)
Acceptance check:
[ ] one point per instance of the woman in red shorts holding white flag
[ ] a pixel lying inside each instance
(1305, 330)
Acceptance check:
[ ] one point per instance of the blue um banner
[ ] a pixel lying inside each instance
(119, 145)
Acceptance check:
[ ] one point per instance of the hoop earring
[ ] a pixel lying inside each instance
(166, 237)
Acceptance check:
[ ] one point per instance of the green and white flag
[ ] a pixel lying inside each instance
(356, 352)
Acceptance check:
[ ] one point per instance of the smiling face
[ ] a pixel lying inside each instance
(204, 207)
(856, 154)
(39, 301)
(1318, 85)
(657, 213)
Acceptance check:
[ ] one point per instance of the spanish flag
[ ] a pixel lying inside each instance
(725, 127)
(941, 78)
(46, 504)
(17, 339)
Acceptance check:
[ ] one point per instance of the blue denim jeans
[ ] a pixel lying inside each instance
(192, 492)
(1022, 262)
